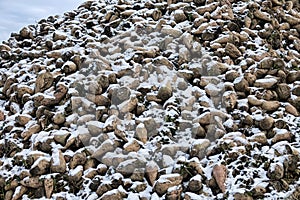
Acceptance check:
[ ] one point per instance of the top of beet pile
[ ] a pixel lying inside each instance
(144, 99)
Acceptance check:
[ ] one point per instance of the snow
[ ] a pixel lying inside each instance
(41, 137)
(92, 196)
(39, 160)
(165, 178)
(267, 80)
(75, 171)
(111, 192)
(55, 157)
(155, 196)
(17, 191)
(258, 117)
(167, 161)
(238, 80)
(133, 196)
(198, 177)
(280, 131)
(182, 99)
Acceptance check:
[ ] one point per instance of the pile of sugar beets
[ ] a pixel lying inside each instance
(151, 99)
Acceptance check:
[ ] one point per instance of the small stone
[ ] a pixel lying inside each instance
(99, 100)
(283, 91)
(77, 159)
(295, 194)
(40, 167)
(49, 187)
(251, 78)
(296, 103)
(179, 16)
(296, 90)
(76, 174)
(270, 105)
(138, 174)
(260, 138)
(229, 99)
(195, 183)
(231, 75)
(260, 73)
(174, 193)
(132, 145)
(161, 60)
(94, 88)
(292, 110)
(24, 89)
(220, 174)
(213, 90)
(275, 171)
(69, 67)
(43, 82)
(127, 167)
(22, 119)
(113, 194)
(111, 123)
(168, 30)
(141, 133)
(105, 147)
(198, 131)
(243, 105)
(156, 14)
(30, 130)
(95, 127)
(151, 172)
(8, 195)
(262, 15)
(266, 123)
(7, 85)
(2, 116)
(59, 118)
(199, 147)
(188, 40)
(58, 35)
(266, 63)
(206, 8)
(90, 174)
(4, 47)
(103, 81)
(254, 101)
(258, 191)
(58, 165)
(232, 50)
(26, 33)
(120, 95)
(242, 196)
(265, 83)
(60, 92)
(165, 182)
(32, 182)
(19, 192)
(204, 119)
(281, 135)
(61, 137)
(241, 84)
(13, 184)
(103, 188)
(293, 76)
(128, 106)
(165, 92)
(102, 169)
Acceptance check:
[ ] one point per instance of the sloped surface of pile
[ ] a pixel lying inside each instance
(153, 99)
